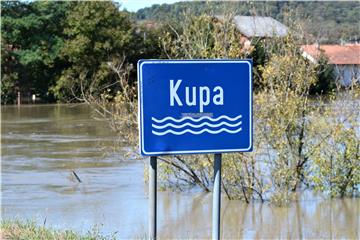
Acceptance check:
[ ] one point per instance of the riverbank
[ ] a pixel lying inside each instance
(30, 230)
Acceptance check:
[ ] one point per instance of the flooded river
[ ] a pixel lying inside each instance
(42, 145)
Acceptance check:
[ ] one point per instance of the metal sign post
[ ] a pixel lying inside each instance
(193, 107)
(216, 198)
(152, 197)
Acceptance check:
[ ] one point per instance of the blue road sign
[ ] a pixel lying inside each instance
(195, 106)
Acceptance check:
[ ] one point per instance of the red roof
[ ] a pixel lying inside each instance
(337, 54)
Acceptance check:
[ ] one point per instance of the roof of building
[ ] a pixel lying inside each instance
(337, 54)
(253, 26)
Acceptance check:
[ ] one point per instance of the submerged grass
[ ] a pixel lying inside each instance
(16, 229)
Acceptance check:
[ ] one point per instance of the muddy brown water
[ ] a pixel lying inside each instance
(42, 144)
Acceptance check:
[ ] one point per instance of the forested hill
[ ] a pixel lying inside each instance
(326, 22)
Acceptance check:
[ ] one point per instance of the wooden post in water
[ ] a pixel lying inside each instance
(152, 197)
(18, 99)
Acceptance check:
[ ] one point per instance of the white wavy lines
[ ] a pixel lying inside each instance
(196, 126)
(196, 119)
(196, 132)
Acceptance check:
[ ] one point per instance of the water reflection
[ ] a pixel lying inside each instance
(304, 219)
(43, 144)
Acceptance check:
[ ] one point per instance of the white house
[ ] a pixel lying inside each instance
(345, 58)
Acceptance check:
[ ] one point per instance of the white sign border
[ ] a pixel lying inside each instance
(141, 116)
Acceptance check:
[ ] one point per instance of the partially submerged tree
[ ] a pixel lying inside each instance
(335, 164)
(201, 37)
(283, 105)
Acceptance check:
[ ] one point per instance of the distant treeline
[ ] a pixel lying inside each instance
(325, 22)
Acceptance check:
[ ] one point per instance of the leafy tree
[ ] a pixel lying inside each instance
(205, 37)
(325, 77)
(97, 33)
(32, 40)
(9, 78)
(55, 48)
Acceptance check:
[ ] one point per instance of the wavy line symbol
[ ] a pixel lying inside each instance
(196, 126)
(196, 132)
(196, 119)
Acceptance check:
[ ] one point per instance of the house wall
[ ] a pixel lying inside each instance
(346, 75)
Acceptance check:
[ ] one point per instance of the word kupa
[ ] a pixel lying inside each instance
(204, 95)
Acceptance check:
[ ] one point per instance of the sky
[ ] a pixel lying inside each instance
(134, 5)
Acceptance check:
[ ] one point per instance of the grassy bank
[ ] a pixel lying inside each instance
(31, 231)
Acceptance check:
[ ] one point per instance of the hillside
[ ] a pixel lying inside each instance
(325, 22)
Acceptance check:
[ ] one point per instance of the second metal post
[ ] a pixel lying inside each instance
(152, 197)
(216, 198)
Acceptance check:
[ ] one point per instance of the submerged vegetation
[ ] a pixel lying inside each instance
(298, 135)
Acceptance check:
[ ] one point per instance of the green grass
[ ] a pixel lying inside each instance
(29, 230)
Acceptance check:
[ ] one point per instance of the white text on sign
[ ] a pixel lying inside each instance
(203, 92)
